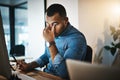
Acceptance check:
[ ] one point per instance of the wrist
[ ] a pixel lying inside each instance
(49, 44)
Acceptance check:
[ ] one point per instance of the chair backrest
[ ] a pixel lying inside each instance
(18, 50)
(88, 57)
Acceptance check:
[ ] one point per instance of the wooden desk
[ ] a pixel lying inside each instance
(2, 77)
(40, 75)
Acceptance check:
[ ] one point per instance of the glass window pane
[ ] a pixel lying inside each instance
(21, 27)
(5, 18)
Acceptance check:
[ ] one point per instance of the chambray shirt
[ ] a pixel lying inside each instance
(71, 44)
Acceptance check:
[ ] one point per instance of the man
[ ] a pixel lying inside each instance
(63, 41)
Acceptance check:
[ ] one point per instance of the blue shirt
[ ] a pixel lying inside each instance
(71, 44)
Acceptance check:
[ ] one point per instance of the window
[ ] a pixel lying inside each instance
(15, 23)
(21, 26)
(5, 18)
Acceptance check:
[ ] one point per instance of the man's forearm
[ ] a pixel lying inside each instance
(53, 51)
(32, 65)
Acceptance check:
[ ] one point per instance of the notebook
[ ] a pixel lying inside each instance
(5, 69)
(85, 71)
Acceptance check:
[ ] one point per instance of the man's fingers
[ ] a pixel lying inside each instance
(53, 27)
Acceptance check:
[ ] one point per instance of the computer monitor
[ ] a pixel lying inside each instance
(79, 70)
(5, 69)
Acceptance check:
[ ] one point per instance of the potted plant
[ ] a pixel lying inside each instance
(115, 44)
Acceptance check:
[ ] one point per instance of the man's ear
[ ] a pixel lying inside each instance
(66, 20)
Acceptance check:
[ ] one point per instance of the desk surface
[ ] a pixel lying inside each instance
(40, 75)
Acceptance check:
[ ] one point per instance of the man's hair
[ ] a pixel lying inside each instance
(56, 8)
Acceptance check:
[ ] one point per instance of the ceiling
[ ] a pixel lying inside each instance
(16, 3)
(20, 5)
(12, 2)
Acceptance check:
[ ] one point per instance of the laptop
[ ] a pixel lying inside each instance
(85, 71)
(5, 68)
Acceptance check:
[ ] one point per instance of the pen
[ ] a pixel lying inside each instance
(12, 68)
(14, 59)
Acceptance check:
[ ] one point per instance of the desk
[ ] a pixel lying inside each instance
(37, 74)
(40, 75)
(2, 78)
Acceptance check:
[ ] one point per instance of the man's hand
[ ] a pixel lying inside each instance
(49, 33)
(27, 66)
(23, 65)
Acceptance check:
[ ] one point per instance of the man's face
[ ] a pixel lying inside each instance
(58, 22)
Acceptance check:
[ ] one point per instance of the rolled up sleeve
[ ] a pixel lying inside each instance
(43, 60)
(57, 60)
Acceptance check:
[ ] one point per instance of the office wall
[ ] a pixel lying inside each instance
(36, 25)
(95, 18)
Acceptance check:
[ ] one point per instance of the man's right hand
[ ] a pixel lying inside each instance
(23, 65)
(27, 66)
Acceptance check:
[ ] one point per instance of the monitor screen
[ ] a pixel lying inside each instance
(5, 69)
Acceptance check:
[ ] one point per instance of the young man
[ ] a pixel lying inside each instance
(63, 41)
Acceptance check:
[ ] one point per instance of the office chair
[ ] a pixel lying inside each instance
(88, 57)
(18, 50)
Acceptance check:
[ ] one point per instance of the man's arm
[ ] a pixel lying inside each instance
(53, 50)
(27, 66)
(40, 62)
(49, 37)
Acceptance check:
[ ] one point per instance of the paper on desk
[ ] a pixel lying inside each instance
(20, 58)
(23, 76)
